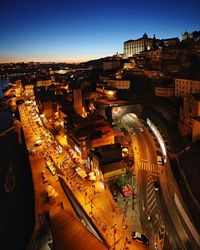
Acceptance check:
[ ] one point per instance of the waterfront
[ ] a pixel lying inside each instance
(3, 84)
(17, 207)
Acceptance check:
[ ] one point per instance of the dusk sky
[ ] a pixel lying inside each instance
(73, 31)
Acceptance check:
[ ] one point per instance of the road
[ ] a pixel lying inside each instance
(160, 228)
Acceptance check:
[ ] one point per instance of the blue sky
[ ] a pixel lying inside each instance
(72, 31)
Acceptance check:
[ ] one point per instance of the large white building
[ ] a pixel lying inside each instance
(154, 45)
(133, 47)
(186, 85)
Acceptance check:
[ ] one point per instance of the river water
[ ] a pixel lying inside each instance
(3, 84)
(16, 208)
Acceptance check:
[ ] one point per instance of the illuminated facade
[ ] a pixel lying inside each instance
(165, 91)
(119, 84)
(45, 83)
(134, 47)
(108, 159)
(196, 129)
(152, 54)
(186, 85)
(29, 90)
(109, 92)
(84, 134)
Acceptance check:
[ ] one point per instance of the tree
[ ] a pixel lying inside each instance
(121, 181)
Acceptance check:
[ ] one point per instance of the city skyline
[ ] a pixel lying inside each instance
(80, 31)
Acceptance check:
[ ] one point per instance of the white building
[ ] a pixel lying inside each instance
(134, 47)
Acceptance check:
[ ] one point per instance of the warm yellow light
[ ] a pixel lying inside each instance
(84, 113)
(110, 93)
(91, 107)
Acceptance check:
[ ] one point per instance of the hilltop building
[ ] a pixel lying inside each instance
(134, 47)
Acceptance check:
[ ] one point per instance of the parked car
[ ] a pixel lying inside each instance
(140, 237)
(156, 186)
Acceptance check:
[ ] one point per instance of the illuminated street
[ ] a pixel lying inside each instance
(152, 202)
(104, 214)
(62, 182)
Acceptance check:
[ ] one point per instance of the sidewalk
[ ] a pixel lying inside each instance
(171, 194)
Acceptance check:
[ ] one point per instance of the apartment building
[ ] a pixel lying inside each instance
(186, 85)
(119, 84)
(191, 109)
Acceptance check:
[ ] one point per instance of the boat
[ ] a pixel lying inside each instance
(10, 180)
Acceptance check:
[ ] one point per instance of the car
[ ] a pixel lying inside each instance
(156, 186)
(187, 148)
(141, 129)
(140, 237)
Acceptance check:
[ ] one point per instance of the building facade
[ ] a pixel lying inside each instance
(78, 101)
(85, 134)
(45, 83)
(171, 41)
(134, 47)
(111, 64)
(152, 54)
(196, 129)
(164, 91)
(119, 84)
(108, 92)
(186, 85)
(191, 109)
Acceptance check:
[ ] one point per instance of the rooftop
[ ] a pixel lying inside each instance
(69, 233)
(172, 38)
(112, 167)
